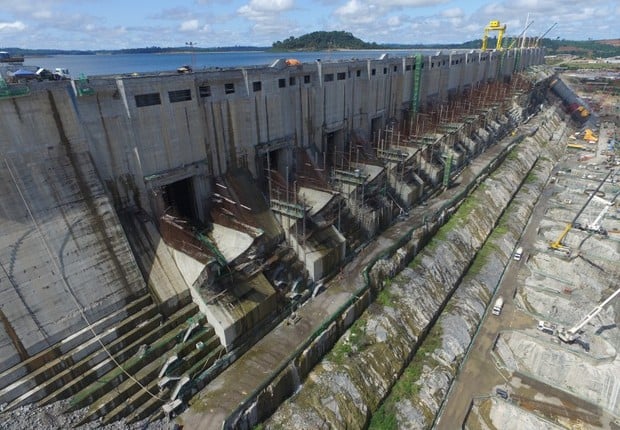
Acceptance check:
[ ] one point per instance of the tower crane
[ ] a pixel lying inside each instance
(571, 335)
(493, 26)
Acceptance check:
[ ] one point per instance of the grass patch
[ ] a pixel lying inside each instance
(348, 345)
(416, 261)
(385, 298)
(512, 155)
(481, 258)
(531, 178)
(384, 418)
(407, 386)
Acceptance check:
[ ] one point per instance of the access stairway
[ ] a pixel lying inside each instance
(136, 340)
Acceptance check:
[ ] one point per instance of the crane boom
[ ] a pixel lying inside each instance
(558, 244)
(572, 333)
(512, 44)
(539, 38)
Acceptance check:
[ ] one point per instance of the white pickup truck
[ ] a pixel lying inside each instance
(518, 253)
(546, 327)
(497, 307)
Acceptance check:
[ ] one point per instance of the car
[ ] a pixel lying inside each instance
(502, 393)
(185, 69)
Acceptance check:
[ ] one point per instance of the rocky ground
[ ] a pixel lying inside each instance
(51, 417)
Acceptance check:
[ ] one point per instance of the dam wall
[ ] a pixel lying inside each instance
(147, 132)
(76, 154)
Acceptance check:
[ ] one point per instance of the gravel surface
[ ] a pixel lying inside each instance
(51, 417)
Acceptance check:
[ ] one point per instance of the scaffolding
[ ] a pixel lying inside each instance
(417, 81)
(12, 90)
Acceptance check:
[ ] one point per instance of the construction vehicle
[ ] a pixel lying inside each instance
(547, 327)
(518, 254)
(595, 226)
(497, 307)
(493, 26)
(558, 244)
(572, 334)
(589, 136)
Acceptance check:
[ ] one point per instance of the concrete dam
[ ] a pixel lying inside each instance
(154, 228)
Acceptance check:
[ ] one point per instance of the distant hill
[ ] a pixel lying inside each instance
(326, 40)
(612, 42)
(583, 48)
(322, 41)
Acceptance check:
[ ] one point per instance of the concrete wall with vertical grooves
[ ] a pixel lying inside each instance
(137, 149)
(343, 391)
(75, 160)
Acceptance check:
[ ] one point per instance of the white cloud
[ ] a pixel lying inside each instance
(394, 21)
(8, 27)
(190, 25)
(262, 8)
(455, 12)
(356, 12)
(268, 17)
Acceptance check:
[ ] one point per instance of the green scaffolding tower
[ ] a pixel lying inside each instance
(446, 170)
(417, 80)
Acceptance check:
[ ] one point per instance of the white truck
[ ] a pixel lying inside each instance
(518, 253)
(497, 307)
(61, 73)
(547, 327)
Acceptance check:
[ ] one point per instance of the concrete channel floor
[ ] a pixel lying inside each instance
(222, 395)
(478, 376)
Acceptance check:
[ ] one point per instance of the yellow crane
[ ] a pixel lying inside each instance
(493, 26)
(558, 244)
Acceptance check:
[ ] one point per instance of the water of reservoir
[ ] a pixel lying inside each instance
(112, 64)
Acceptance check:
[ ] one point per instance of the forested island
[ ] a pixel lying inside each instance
(323, 41)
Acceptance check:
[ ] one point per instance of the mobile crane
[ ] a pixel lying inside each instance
(558, 244)
(572, 334)
(595, 226)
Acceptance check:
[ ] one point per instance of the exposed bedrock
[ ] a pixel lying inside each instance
(350, 383)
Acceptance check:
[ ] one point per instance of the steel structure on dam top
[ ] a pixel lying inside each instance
(240, 188)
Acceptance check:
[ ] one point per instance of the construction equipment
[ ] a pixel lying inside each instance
(539, 38)
(572, 334)
(589, 136)
(493, 26)
(595, 226)
(558, 244)
(516, 39)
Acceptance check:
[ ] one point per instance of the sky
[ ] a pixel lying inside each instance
(114, 24)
